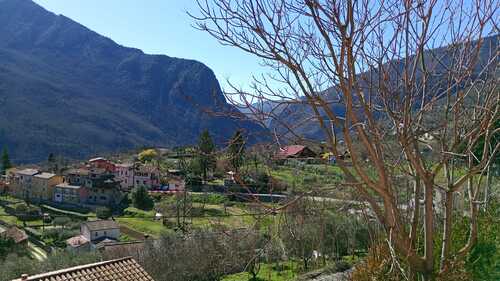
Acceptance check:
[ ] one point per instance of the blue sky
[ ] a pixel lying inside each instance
(159, 27)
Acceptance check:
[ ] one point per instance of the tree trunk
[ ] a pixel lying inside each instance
(428, 234)
(447, 233)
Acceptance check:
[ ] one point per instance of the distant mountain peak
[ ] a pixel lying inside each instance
(76, 93)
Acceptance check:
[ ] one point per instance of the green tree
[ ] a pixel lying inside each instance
(141, 199)
(236, 150)
(206, 155)
(5, 161)
(147, 155)
(103, 212)
(6, 246)
(51, 158)
(52, 162)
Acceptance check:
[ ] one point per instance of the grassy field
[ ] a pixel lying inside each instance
(11, 219)
(147, 226)
(203, 216)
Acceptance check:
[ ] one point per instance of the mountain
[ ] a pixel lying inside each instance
(67, 90)
(301, 118)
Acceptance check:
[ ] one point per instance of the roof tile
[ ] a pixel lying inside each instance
(113, 270)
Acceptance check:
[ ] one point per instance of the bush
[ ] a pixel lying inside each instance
(141, 199)
(27, 212)
(57, 237)
(137, 213)
(103, 213)
(61, 221)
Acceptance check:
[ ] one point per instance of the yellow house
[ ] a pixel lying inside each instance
(42, 186)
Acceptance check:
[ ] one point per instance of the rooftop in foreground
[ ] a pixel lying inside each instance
(124, 269)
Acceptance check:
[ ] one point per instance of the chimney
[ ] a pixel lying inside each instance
(24, 276)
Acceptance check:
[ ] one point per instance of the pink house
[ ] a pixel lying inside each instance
(147, 176)
(124, 173)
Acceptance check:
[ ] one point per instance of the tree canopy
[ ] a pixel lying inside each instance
(206, 155)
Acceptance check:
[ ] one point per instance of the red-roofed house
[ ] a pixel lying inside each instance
(102, 163)
(295, 152)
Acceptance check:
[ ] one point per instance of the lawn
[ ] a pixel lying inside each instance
(148, 226)
(269, 272)
(204, 216)
(308, 175)
(13, 220)
(6, 217)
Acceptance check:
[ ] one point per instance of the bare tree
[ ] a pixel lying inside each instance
(413, 83)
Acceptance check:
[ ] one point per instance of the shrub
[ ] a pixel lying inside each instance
(141, 199)
(27, 212)
(103, 212)
(62, 221)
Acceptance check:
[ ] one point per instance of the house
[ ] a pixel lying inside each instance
(175, 184)
(295, 152)
(77, 176)
(98, 186)
(78, 244)
(123, 269)
(102, 163)
(147, 176)
(22, 182)
(66, 193)
(103, 190)
(42, 186)
(17, 235)
(124, 173)
(96, 231)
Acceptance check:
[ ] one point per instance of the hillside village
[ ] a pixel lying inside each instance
(87, 207)
(294, 140)
(100, 182)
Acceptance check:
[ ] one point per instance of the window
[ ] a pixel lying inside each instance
(105, 234)
(96, 234)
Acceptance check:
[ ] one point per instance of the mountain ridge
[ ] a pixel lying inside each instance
(77, 93)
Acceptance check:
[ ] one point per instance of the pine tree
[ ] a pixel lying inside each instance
(141, 199)
(236, 150)
(206, 156)
(5, 162)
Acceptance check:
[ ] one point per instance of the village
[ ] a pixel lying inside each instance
(86, 206)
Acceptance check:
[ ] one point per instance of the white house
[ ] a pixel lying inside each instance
(95, 231)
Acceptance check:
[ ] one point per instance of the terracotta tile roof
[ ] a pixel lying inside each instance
(125, 269)
(290, 150)
(119, 249)
(15, 234)
(101, 225)
(77, 241)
